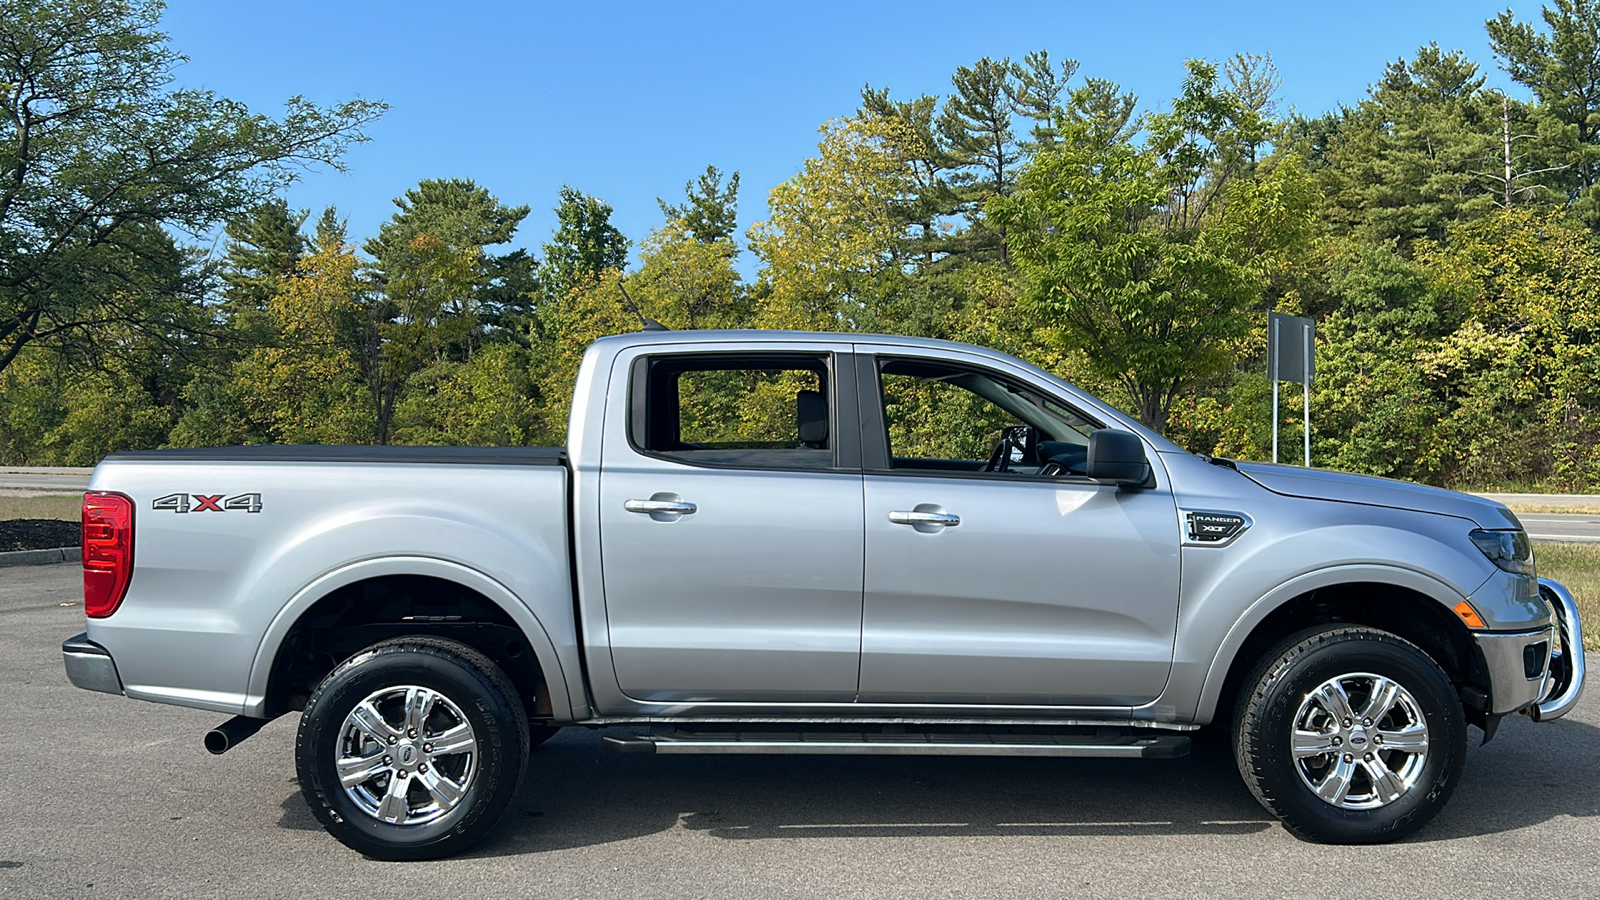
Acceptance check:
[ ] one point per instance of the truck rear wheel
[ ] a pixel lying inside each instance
(1350, 735)
(412, 749)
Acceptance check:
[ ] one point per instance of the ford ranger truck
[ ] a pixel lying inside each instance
(771, 542)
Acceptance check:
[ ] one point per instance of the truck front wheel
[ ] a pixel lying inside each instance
(1350, 735)
(412, 749)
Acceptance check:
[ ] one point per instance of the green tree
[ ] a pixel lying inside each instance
(1412, 158)
(262, 250)
(299, 379)
(1037, 94)
(1561, 65)
(835, 232)
(930, 202)
(585, 243)
(1148, 257)
(1105, 109)
(975, 128)
(431, 271)
(710, 210)
(95, 150)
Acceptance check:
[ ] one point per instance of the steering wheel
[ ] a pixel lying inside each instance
(1054, 468)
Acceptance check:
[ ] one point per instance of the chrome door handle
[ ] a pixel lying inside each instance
(917, 517)
(671, 507)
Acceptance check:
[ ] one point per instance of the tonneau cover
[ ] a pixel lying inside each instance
(349, 453)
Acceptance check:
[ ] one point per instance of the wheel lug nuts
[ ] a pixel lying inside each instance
(1366, 721)
(393, 739)
(1347, 758)
(427, 748)
(1368, 757)
(1348, 723)
(422, 768)
(1377, 739)
(388, 760)
(411, 732)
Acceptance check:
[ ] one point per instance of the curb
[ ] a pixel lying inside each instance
(40, 557)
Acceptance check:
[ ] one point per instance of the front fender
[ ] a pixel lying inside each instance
(1293, 546)
(1223, 660)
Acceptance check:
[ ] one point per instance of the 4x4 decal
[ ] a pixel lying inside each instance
(181, 503)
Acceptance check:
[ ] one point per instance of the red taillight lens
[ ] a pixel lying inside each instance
(107, 551)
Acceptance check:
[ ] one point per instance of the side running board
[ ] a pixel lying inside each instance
(1132, 746)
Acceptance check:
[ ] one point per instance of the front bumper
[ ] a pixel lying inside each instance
(89, 665)
(1564, 675)
(1539, 672)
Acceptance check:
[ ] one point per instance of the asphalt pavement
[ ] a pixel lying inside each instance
(110, 797)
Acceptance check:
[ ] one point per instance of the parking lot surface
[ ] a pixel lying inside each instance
(109, 797)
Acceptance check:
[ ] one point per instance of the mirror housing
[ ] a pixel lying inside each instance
(1117, 457)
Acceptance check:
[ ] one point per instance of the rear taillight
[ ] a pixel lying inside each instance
(107, 551)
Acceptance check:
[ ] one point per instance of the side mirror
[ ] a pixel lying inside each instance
(1117, 457)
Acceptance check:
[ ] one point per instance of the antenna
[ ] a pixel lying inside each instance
(645, 324)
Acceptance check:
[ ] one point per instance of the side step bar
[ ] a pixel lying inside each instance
(910, 744)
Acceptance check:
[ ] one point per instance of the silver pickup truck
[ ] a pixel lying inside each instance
(769, 542)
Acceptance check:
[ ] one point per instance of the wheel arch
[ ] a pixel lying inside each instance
(492, 604)
(1406, 603)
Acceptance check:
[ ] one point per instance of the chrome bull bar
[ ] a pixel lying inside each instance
(1564, 675)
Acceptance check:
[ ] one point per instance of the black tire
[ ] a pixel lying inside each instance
(1278, 697)
(474, 691)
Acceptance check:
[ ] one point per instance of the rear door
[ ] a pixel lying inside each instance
(731, 527)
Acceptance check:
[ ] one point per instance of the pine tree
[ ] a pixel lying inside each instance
(1561, 65)
(1037, 94)
(262, 250)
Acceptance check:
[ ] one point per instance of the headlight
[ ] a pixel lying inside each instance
(1510, 550)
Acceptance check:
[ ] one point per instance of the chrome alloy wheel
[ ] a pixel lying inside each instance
(406, 755)
(1360, 741)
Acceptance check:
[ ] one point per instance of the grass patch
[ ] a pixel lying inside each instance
(67, 507)
(1554, 508)
(1578, 567)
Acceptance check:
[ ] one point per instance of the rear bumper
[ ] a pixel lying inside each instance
(89, 665)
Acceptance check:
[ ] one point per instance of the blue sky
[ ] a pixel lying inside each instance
(627, 101)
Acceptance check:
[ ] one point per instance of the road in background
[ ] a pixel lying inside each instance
(23, 480)
(111, 797)
(1571, 529)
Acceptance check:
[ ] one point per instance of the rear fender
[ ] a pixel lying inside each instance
(533, 630)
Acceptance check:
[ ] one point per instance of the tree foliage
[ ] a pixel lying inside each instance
(97, 155)
(1441, 233)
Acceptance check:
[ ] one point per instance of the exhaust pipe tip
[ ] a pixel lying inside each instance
(231, 733)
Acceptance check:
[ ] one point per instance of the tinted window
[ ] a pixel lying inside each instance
(943, 417)
(759, 411)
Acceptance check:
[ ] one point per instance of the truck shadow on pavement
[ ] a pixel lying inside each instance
(578, 794)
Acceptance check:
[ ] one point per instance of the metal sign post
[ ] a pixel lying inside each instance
(1291, 356)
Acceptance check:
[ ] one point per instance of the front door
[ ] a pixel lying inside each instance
(731, 531)
(995, 573)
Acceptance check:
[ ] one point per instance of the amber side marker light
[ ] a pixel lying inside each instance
(107, 551)
(1469, 615)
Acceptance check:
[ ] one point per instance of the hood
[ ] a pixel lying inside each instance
(1321, 484)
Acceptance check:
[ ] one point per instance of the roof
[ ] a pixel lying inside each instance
(753, 335)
